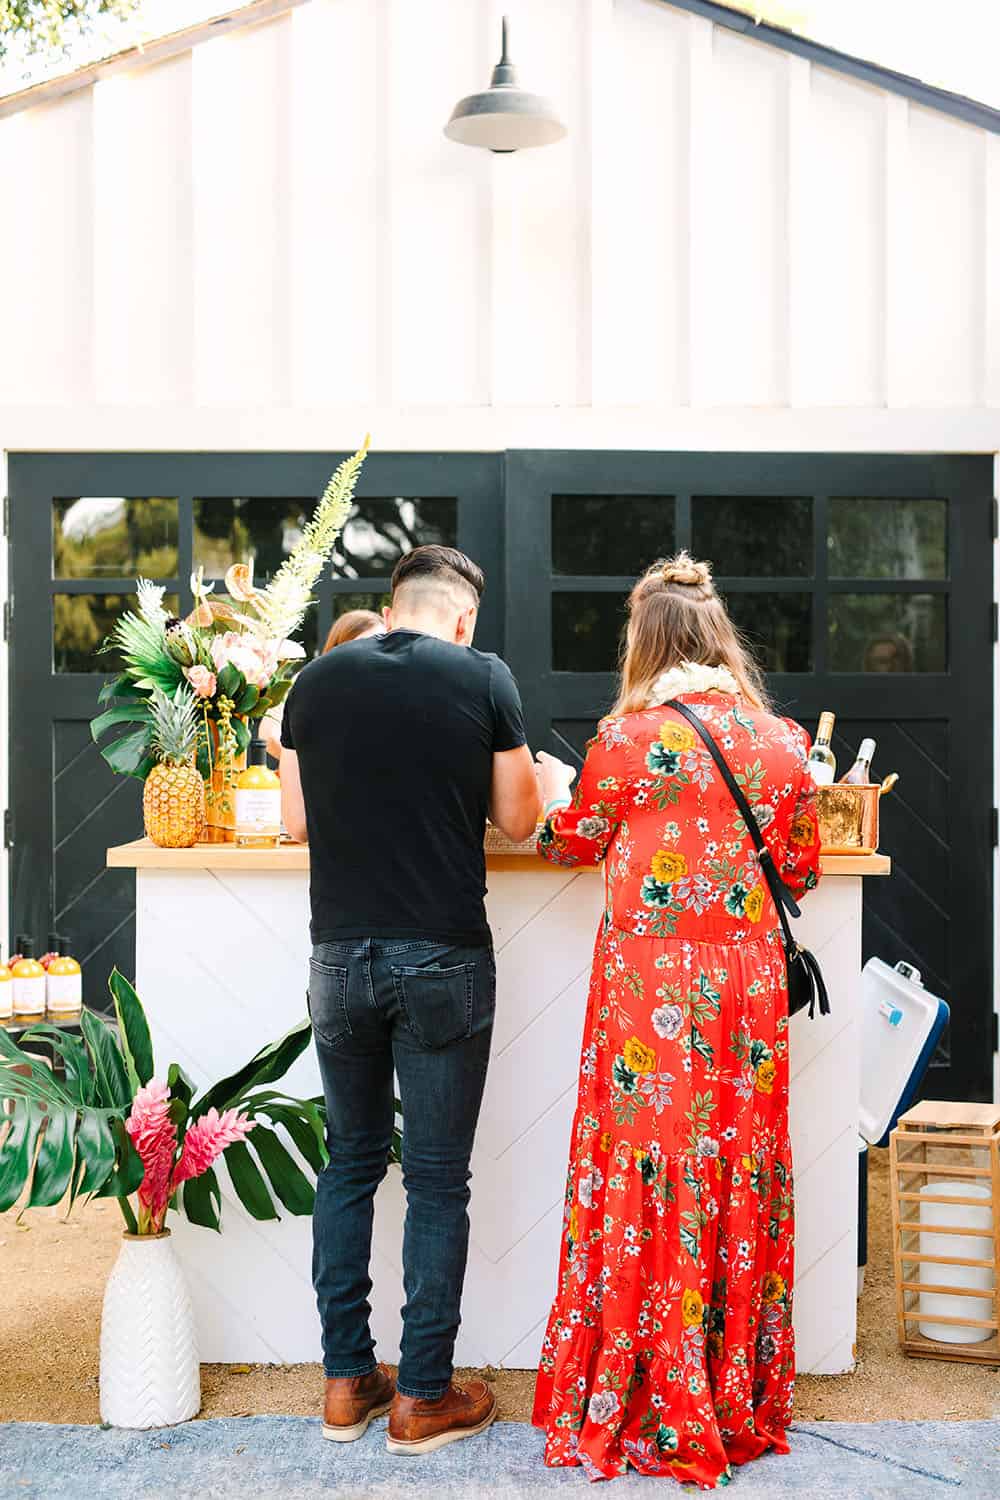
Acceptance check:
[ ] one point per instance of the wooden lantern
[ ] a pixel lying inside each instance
(944, 1162)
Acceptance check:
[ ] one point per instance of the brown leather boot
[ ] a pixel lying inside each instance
(352, 1402)
(417, 1426)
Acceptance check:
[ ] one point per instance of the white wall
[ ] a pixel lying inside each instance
(275, 221)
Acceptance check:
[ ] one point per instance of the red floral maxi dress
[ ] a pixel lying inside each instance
(669, 1347)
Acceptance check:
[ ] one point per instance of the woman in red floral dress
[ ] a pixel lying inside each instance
(669, 1347)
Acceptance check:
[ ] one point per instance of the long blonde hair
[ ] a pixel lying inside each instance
(675, 615)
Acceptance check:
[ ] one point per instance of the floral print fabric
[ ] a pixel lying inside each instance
(669, 1347)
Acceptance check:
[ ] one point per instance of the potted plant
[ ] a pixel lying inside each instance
(191, 686)
(110, 1128)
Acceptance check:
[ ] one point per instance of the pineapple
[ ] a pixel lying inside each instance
(173, 799)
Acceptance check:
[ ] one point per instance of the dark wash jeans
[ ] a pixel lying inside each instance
(425, 1010)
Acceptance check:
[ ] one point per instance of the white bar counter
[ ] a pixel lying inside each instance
(222, 951)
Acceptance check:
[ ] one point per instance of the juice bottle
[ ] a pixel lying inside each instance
(6, 993)
(63, 985)
(29, 985)
(258, 802)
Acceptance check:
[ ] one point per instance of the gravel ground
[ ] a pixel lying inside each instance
(54, 1274)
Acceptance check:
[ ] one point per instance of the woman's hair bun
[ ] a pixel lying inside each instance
(683, 569)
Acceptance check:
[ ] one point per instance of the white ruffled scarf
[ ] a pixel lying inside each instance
(691, 677)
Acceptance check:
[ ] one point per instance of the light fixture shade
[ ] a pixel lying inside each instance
(505, 117)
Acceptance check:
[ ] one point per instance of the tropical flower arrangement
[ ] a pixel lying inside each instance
(232, 658)
(110, 1128)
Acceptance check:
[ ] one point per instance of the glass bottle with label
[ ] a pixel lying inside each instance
(822, 761)
(6, 993)
(860, 773)
(258, 802)
(63, 985)
(51, 952)
(29, 985)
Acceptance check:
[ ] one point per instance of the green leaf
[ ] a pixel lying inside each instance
(110, 1074)
(54, 1163)
(125, 713)
(242, 732)
(270, 1063)
(17, 1153)
(179, 1084)
(251, 1189)
(79, 1079)
(230, 682)
(128, 1170)
(203, 1200)
(290, 1184)
(28, 1078)
(119, 687)
(276, 693)
(133, 1031)
(248, 699)
(95, 1151)
(304, 1126)
(131, 755)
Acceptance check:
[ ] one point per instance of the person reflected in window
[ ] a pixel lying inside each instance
(889, 653)
(669, 1348)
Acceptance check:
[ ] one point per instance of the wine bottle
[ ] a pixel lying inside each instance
(860, 773)
(822, 761)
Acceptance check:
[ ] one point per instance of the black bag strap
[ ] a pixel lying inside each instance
(783, 899)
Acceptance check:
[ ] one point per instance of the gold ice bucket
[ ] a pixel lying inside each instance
(848, 818)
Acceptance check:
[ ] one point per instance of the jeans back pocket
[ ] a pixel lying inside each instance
(328, 1002)
(436, 1002)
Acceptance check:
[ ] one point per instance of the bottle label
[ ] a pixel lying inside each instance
(29, 995)
(64, 992)
(821, 773)
(258, 811)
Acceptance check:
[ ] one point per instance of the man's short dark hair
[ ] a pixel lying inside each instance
(442, 565)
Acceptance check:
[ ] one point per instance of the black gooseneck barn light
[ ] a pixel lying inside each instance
(505, 117)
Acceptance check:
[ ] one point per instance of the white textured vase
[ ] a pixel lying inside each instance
(149, 1353)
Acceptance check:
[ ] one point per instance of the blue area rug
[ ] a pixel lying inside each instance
(242, 1458)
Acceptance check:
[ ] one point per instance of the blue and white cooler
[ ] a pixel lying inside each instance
(901, 1025)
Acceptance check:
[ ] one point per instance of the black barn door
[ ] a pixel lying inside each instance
(865, 584)
(83, 527)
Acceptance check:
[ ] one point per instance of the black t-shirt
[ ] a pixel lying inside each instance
(395, 736)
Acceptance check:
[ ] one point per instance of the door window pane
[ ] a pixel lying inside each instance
(344, 603)
(113, 537)
(610, 536)
(80, 625)
(262, 531)
(586, 631)
(888, 538)
(381, 531)
(753, 536)
(778, 628)
(888, 633)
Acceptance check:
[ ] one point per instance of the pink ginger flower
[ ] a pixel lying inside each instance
(206, 1140)
(154, 1136)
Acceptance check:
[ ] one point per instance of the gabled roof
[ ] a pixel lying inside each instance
(971, 111)
(957, 105)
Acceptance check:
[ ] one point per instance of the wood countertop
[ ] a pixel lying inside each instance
(142, 854)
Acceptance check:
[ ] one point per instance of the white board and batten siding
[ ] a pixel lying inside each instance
(251, 1284)
(267, 239)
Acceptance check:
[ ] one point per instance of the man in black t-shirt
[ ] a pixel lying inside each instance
(395, 748)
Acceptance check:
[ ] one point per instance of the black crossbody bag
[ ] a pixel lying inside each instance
(805, 981)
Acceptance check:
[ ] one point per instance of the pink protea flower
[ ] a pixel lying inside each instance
(154, 1136)
(206, 1140)
(202, 680)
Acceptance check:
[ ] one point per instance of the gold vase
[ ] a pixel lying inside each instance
(220, 790)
